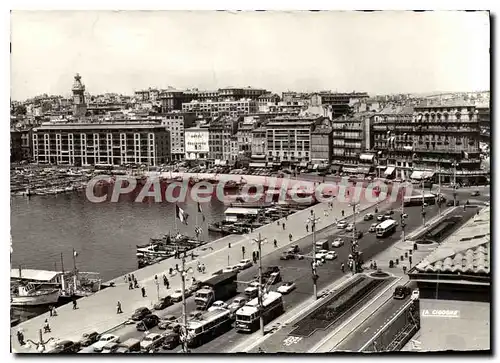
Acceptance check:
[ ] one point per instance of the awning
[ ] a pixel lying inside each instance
(428, 174)
(364, 169)
(350, 169)
(257, 165)
(367, 157)
(315, 166)
(389, 170)
(421, 174)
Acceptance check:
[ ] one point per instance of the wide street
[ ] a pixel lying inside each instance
(299, 271)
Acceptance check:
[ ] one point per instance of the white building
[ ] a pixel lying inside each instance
(222, 108)
(196, 145)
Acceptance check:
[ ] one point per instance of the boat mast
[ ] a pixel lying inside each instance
(63, 281)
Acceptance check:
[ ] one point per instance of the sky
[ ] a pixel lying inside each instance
(123, 51)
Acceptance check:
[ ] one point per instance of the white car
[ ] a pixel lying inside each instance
(237, 303)
(373, 228)
(350, 227)
(244, 264)
(380, 217)
(338, 242)
(321, 254)
(341, 224)
(151, 340)
(176, 295)
(218, 305)
(105, 339)
(331, 255)
(286, 288)
(252, 288)
(235, 268)
(415, 294)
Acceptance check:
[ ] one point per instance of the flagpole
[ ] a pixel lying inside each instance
(175, 218)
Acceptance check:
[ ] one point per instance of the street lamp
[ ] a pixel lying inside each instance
(259, 242)
(183, 272)
(312, 220)
(354, 242)
(454, 164)
(157, 283)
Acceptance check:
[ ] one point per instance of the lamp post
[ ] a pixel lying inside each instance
(439, 187)
(454, 183)
(40, 345)
(157, 283)
(259, 242)
(354, 237)
(312, 220)
(183, 272)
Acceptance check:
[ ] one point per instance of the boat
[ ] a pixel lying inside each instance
(33, 295)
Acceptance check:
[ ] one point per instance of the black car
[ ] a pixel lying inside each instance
(89, 339)
(171, 341)
(270, 270)
(66, 346)
(401, 292)
(149, 321)
(287, 256)
(475, 194)
(164, 302)
(368, 217)
(140, 313)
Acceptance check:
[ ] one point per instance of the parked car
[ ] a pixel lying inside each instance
(341, 224)
(350, 227)
(89, 339)
(175, 327)
(166, 321)
(401, 292)
(129, 346)
(286, 288)
(321, 254)
(66, 346)
(331, 255)
(176, 296)
(103, 340)
(152, 340)
(415, 295)
(164, 302)
(380, 217)
(237, 303)
(294, 249)
(219, 304)
(149, 321)
(231, 269)
(252, 290)
(373, 228)
(110, 348)
(287, 255)
(140, 313)
(244, 264)
(338, 242)
(170, 340)
(475, 193)
(368, 217)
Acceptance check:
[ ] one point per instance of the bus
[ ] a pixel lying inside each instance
(419, 200)
(386, 228)
(208, 326)
(248, 316)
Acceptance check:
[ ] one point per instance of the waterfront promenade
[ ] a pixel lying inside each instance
(98, 312)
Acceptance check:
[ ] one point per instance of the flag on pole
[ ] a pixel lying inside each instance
(181, 214)
(199, 208)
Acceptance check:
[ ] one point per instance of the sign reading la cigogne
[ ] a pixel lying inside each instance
(441, 313)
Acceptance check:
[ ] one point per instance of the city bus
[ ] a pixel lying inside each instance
(419, 200)
(248, 316)
(386, 228)
(208, 326)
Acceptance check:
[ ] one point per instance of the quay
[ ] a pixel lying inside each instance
(98, 312)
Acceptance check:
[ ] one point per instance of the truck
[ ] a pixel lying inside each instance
(219, 287)
(322, 244)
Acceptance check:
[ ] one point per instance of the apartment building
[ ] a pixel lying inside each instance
(101, 143)
(221, 131)
(321, 143)
(258, 144)
(428, 139)
(197, 143)
(236, 93)
(176, 123)
(289, 138)
(222, 108)
(351, 140)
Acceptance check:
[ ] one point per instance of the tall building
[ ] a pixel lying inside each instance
(223, 108)
(289, 138)
(221, 131)
(101, 143)
(416, 143)
(79, 105)
(176, 123)
(321, 143)
(339, 103)
(197, 147)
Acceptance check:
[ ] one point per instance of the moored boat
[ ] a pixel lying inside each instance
(33, 295)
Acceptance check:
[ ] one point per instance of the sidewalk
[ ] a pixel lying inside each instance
(98, 312)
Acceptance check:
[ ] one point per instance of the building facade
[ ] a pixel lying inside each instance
(321, 143)
(197, 147)
(221, 131)
(259, 143)
(103, 143)
(235, 93)
(430, 139)
(289, 138)
(223, 108)
(175, 123)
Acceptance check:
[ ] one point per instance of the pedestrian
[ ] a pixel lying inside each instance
(343, 213)
(286, 217)
(290, 237)
(342, 267)
(284, 226)
(125, 278)
(20, 337)
(54, 311)
(326, 213)
(143, 291)
(129, 278)
(275, 243)
(74, 304)
(133, 277)
(50, 310)
(376, 210)
(119, 308)
(136, 284)
(130, 286)
(177, 267)
(203, 269)
(46, 326)
(307, 228)
(278, 222)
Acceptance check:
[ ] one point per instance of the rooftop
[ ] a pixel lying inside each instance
(35, 275)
